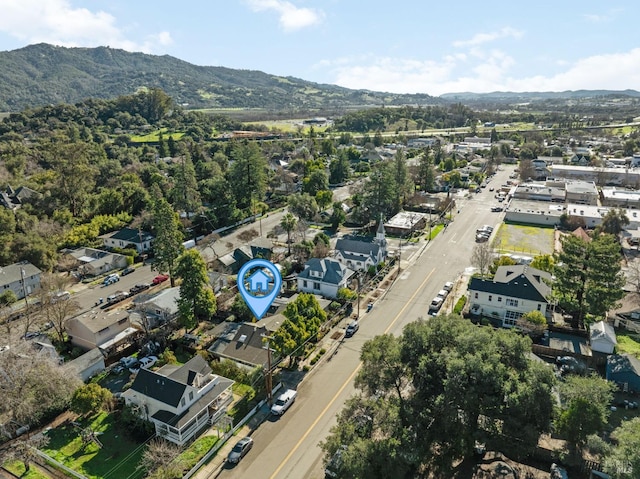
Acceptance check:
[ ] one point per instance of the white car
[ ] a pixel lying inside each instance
(448, 286)
(284, 402)
(442, 293)
(435, 305)
(148, 361)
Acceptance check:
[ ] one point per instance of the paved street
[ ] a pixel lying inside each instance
(287, 447)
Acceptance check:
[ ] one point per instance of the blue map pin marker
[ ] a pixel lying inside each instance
(259, 288)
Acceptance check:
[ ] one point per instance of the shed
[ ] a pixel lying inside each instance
(602, 337)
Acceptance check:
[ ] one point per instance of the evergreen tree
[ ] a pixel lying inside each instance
(247, 174)
(197, 301)
(185, 193)
(167, 245)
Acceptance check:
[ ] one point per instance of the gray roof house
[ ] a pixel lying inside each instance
(158, 308)
(127, 237)
(624, 370)
(13, 275)
(244, 342)
(95, 262)
(324, 277)
(111, 331)
(180, 400)
(14, 199)
(513, 291)
(361, 253)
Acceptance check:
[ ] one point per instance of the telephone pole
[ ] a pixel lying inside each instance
(268, 376)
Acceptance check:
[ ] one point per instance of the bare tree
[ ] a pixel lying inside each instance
(162, 460)
(633, 274)
(482, 257)
(31, 385)
(24, 449)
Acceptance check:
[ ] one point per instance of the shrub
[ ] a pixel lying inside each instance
(457, 309)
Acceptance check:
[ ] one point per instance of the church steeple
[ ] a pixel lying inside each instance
(380, 238)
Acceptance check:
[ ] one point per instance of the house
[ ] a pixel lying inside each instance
(324, 277)
(513, 291)
(158, 308)
(624, 370)
(14, 199)
(602, 337)
(95, 262)
(111, 331)
(127, 238)
(180, 401)
(232, 262)
(86, 365)
(22, 278)
(360, 254)
(405, 223)
(244, 343)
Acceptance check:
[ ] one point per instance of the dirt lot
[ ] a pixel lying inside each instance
(524, 240)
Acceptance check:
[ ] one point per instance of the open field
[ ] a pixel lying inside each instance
(524, 240)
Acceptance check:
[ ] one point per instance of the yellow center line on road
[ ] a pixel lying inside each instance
(355, 371)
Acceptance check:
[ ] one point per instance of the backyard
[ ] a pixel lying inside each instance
(118, 457)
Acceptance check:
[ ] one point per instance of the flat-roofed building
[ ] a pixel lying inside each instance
(619, 198)
(581, 192)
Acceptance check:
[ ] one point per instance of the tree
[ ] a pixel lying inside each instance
(503, 260)
(288, 223)
(161, 460)
(303, 206)
(585, 407)
(533, 323)
(185, 193)
(588, 276)
(429, 395)
(247, 173)
(339, 168)
(481, 257)
(323, 198)
(90, 398)
(196, 300)
(24, 449)
(623, 461)
(167, 246)
(315, 182)
(614, 222)
(380, 195)
(338, 216)
(304, 318)
(543, 262)
(527, 170)
(404, 184)
(426, 174)
(240, 309)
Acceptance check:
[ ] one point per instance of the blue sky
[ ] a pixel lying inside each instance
(402, 46)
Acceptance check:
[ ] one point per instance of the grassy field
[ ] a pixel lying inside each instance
(118, 458)
(628, 342)
(525, 240)
(17, 468)
(154, 136)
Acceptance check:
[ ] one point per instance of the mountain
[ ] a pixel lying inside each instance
(43, 74)
(513, 97)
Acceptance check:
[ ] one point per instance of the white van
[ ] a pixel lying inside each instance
(284, 401)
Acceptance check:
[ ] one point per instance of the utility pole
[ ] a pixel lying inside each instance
(24, 289)
(268, 376)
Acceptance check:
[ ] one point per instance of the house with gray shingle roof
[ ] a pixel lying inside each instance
(127, 237)
(624, 370)
(361, 253)
(513, 291)
(12, 276)
(180, 400)
(324, 277)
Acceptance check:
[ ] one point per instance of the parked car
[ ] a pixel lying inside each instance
(442, 294)
(148, 361)
(112, 278)
(161, 278)
(128, 270)
(481, 237)
(351, 329)
(242, 447)
(435, 305)
(31, 335)
(128, 361)
(139, 288)
(485, 228)
(448, 286)
(334, 466)
(284, 402)
(60, 296)
(496, 208)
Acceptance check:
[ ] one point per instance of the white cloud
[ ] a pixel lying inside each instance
(59, 23)
(602, 17)
(494, 71)
(481, 38)
(291, 17)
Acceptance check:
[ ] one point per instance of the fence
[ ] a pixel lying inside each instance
(48, 458)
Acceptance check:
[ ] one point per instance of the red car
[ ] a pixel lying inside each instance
(160, 278)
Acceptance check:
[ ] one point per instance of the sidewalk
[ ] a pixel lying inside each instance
(217, 462)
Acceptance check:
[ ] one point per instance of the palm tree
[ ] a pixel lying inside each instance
(288, 223)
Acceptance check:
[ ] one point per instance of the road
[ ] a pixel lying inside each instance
(287, 447)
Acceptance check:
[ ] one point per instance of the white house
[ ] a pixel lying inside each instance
(602, 337)
(180, 400)
(21, 278)
(513, 291)
(127, 237)
(361, 253)
(324, 277)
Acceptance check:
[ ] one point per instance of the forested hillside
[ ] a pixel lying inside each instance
(43, 74)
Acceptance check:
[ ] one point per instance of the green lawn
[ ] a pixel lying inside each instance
(628, 342)
(118, 458)
(524, 239)
(17, 468)
(155, 136)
